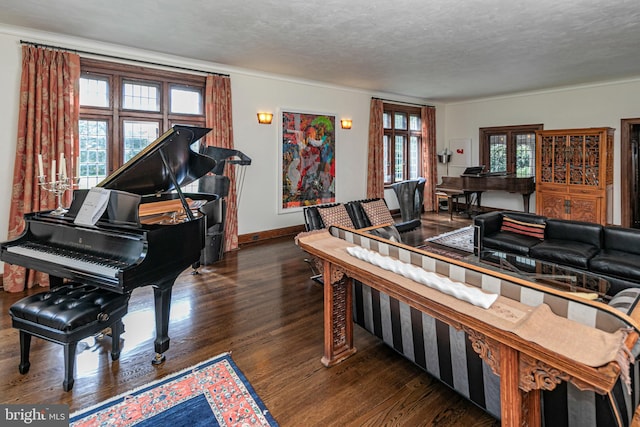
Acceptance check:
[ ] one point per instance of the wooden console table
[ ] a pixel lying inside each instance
(524, 367)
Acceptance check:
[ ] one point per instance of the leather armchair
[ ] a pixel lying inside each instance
(410, 198)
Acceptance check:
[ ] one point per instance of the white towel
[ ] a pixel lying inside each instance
(445, 285)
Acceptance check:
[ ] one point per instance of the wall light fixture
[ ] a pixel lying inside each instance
(265, 118)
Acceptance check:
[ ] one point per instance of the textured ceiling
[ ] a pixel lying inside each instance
(440, 50)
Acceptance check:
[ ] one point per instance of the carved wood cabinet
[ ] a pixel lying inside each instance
(574, 174)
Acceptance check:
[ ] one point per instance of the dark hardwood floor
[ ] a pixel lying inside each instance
(260, 304)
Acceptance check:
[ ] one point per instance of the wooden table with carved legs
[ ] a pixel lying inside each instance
(525, 368)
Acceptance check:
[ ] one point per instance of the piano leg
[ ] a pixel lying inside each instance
(116, 330)
(471, 198)
(525, 201)
(162, 301)
(194, 268)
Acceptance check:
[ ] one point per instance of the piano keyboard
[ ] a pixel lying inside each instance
(70, 259)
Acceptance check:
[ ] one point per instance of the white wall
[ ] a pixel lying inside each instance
(258, 209)
(578, 107)
(251, 92)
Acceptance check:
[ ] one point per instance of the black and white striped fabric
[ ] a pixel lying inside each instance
(441, 350)
(446, 353)
(626, 301)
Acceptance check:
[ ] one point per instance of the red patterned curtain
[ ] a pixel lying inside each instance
(218, 118)
(47, 125)
(429, 156)
(375, 178)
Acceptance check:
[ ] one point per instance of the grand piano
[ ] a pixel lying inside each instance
(474, 182)
(149, 234)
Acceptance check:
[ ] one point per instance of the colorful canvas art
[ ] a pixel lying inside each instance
(308, 159)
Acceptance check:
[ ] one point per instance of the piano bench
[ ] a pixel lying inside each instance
(65, 315)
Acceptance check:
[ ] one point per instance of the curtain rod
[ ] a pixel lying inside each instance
(120, 58)
(402, 102)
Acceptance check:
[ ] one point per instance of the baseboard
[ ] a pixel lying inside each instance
(260, 236)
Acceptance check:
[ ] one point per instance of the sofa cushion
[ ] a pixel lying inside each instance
(574, 231)
(529, 218)
(616, 263)
(621, 239)
(335, 215)
(510, 242)
(357, 215)
(377, 212)
(565, 252)
(522, 227)
(626, 300)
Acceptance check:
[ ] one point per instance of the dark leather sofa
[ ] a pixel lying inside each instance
(611, 252)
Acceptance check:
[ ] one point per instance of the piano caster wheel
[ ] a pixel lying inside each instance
(159, 359)
(194, 268)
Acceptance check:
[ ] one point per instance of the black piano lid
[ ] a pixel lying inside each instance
(146, 174)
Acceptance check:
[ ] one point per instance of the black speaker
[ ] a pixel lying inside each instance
(214, 184)
(213, 250)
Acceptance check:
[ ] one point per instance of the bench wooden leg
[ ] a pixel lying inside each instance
(25, 346)
(69, 364)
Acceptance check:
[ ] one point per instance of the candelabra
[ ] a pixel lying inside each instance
(58, 186)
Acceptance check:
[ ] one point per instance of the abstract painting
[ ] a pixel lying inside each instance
(308, 160)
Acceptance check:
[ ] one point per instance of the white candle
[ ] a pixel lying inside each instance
(53, 170)
(40, 168)
(63, 168)
(77, 170)
(61, 165)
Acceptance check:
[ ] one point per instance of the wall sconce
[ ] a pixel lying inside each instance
(345, 123)
(265, 118)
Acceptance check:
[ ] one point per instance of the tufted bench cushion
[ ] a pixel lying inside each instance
(66, 315)
(69, 307)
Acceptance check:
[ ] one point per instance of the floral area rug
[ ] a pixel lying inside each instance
(460, 239)
(212, 393)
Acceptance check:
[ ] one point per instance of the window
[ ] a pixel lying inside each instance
(401, 143)
(509, 149)
(140, 96)
(124, 108)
